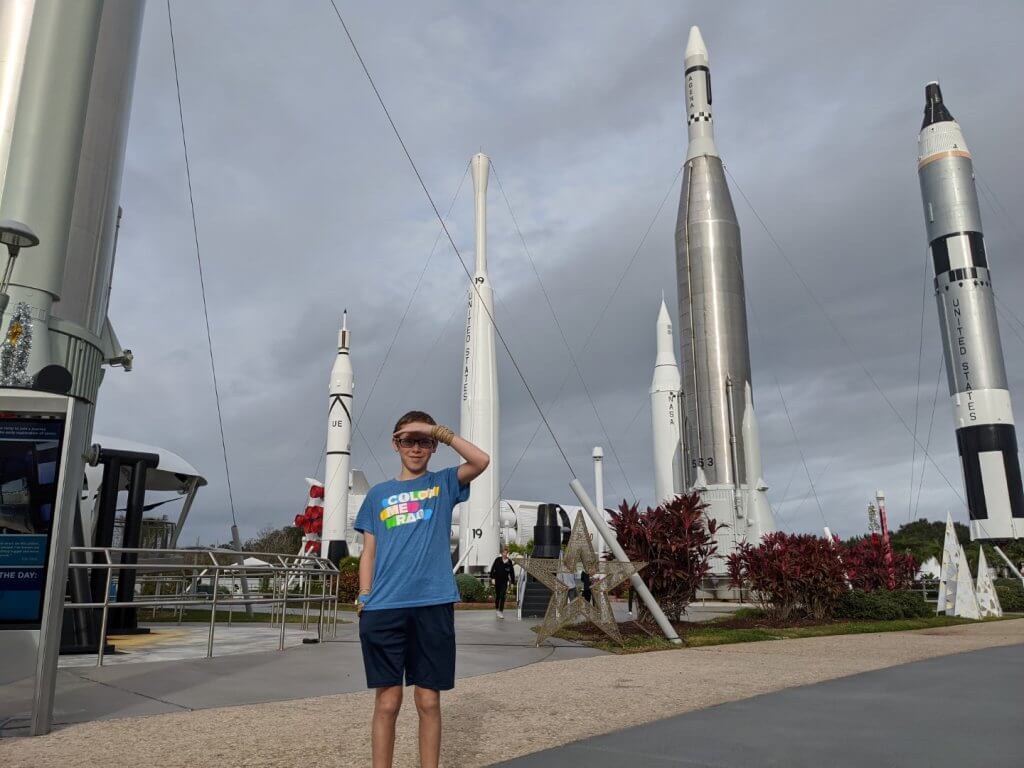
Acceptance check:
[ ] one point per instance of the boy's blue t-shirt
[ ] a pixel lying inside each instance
(411, 521)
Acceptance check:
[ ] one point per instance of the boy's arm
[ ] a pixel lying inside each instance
(366, 560)
(476, 461)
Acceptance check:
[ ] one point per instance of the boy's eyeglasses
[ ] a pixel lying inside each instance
(412, 442)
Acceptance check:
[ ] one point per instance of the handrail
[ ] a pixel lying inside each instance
(158, 569)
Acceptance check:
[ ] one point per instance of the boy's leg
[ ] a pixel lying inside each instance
(428, 705)
(383, 637)
(385, 712)
(430, 666)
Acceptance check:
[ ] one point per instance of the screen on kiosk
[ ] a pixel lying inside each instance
(29, 468)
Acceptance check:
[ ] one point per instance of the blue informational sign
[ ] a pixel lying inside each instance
(29, 467)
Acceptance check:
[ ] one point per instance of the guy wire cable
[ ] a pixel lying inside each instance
(928, 440)
(917, 389)
(199, 261)
(842, 338)
(607, 304)
(394, 338)
(561, 332)
(444, 226)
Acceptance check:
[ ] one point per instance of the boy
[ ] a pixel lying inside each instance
(407, 592)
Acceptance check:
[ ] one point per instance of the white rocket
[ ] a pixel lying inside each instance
(480, 517)
(665, 397)
(339, 452)
(760, 519)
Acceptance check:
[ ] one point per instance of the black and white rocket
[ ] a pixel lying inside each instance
(719, 424)
(985, 434)
(337, 463)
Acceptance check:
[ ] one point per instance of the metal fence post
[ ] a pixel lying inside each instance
(213, 611)
(106, 611)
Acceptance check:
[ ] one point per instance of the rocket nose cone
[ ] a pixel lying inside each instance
(695, 44)
(663, 316)
(934, 109)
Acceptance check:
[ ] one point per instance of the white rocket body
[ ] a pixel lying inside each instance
(668, 462)
(760, 519)
(598, 455)
(480, 517)
(339, 452)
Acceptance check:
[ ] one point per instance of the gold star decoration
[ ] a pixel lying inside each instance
(604, 577)
(14, 333)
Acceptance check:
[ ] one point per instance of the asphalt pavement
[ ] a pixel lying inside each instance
(961, 710)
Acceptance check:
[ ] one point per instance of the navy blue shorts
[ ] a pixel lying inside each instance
(411, 645)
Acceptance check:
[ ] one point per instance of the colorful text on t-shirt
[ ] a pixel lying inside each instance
(404, 508)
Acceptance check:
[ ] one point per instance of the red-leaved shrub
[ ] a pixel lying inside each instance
(788, 572)
(676, 541)
(865, 565)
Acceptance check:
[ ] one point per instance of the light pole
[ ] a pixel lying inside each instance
(15, 236)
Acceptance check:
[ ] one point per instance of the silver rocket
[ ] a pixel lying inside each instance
(985, 434)
(337, 463)
(668, 465)
(713, 328)
(479, 518)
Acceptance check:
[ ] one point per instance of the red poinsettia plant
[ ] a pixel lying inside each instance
(676, 541)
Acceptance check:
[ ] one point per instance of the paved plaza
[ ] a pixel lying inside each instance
(306, 705)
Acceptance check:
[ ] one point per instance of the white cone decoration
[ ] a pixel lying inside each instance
(950, 565)
(988, 600)
(965, 603)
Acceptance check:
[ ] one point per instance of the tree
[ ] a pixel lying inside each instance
(279, 541)
(520, 549)
(676, 541)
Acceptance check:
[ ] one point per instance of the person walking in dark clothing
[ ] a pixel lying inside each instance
(503, 572)
(587, 594)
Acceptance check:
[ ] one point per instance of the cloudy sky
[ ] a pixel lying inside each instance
(306, 205)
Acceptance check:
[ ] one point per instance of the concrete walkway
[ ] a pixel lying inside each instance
(508, 714)
(168, 671)
(957, 710)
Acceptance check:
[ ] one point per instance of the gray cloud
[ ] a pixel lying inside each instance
(306, 206)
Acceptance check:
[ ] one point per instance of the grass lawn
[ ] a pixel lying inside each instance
(696, 635)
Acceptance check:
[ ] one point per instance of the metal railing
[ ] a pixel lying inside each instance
(176, 579)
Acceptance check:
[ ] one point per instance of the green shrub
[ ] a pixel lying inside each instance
(348, 564)
(1011, 595)
(348, 585)
(882, 605)
(471, 590)
(913, 604)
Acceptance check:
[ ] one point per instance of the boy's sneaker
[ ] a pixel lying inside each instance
(500, 614)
